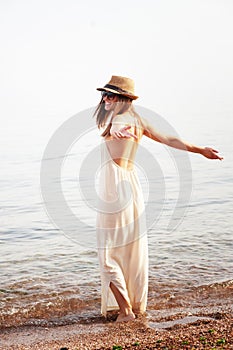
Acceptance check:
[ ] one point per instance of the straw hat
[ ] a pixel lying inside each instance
(121, 86)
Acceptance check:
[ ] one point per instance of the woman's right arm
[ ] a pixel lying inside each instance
(175, 142)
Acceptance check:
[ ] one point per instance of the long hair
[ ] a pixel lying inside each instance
(123, 104)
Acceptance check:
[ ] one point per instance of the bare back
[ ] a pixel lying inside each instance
(123, 150)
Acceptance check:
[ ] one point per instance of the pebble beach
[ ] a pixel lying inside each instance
(205, 324)
(213, 331)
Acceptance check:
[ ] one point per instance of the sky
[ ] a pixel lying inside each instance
(54, 53)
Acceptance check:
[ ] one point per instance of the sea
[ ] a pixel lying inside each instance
(49, 268)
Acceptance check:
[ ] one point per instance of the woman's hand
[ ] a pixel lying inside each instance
(123, 133)
(211, 153)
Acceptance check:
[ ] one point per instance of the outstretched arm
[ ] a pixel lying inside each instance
(174, 142)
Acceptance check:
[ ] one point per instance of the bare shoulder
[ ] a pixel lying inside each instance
(124, 118)
(144, 122)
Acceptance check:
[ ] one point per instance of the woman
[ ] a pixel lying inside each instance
(121, 229)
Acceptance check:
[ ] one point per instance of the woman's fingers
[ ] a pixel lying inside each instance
(212, 153)
(124, 133)
(132, 135)
(127, 133)
(126, 127)
(115, 134)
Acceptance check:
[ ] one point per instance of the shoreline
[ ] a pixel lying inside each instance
(200, 331)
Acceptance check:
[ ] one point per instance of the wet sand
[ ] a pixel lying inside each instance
(203, 331)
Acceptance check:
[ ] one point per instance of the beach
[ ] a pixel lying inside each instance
(192, 332)
(206, 323)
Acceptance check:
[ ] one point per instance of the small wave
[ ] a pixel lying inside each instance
(24, 306)
(53, 309)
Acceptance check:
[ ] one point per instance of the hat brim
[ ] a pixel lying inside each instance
(133, 97)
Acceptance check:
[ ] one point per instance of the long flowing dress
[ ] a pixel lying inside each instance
(121, 233)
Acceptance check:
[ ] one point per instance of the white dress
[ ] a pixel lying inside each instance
(121, 235)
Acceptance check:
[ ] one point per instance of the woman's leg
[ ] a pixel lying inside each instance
(126, 313)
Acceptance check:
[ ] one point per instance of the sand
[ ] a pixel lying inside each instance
(213, 331)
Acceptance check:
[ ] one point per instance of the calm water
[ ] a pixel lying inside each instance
(48, 276)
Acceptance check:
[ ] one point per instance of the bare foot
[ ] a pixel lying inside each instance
(125, 318)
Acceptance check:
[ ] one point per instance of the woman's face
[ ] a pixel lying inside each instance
(109, 99)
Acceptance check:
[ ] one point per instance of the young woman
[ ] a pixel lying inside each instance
(121, 229)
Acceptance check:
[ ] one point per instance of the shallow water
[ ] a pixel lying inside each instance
(48, 277)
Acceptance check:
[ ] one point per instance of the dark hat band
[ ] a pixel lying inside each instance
(113, 87)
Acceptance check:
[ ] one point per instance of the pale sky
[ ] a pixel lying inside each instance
(54, 53)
